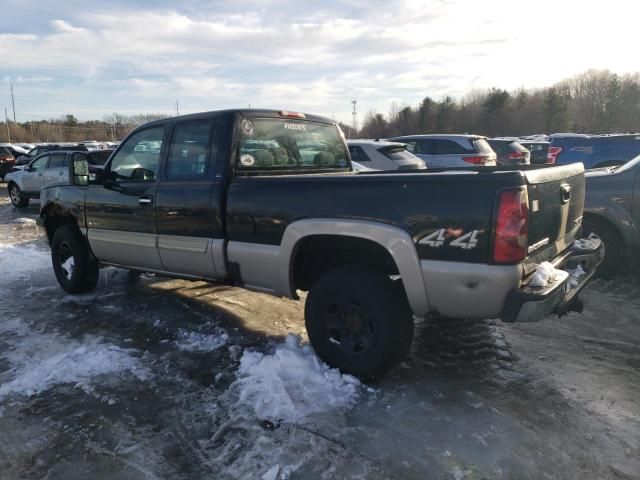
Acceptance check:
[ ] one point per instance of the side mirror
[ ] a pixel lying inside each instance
(79, 174)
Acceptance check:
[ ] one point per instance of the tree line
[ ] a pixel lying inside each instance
(596, 101)
(69, 129)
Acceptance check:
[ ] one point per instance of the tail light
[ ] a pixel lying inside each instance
(512, 226)
(285, 113)
(7, 159)
(552, 154)
(479, 160)
(516, 155)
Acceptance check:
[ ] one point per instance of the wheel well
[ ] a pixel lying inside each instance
(603, 222)
(55, 219)
(317, 254)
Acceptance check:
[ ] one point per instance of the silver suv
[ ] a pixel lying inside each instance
(381, 155)
(444, 151)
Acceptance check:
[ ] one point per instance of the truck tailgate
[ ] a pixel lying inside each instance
(556, 200)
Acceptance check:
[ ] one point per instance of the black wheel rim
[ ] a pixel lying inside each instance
(65, 253)
(348, 327)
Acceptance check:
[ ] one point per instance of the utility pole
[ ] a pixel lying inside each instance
(177, 110)
(13, 103)
(6, 119)
(355, 114)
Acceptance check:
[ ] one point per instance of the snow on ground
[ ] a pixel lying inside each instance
(38, 361)
(25, 220)
(189, 341)
(292, 383)
(20, 261)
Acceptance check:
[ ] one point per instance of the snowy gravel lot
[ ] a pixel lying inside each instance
(149, 377)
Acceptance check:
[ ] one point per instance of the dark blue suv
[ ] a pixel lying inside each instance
(594, 151)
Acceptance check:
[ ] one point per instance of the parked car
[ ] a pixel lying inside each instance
(444, 151)
(48, 168)
(538, 149)
(271, 203)
(34, 152)
(612, 212)
(509, 151)
(382, 155)
(7, 161)
(594, 151)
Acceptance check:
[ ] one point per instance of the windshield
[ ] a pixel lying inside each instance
(289, 144)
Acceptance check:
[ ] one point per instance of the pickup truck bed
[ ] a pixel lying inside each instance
(267, 200)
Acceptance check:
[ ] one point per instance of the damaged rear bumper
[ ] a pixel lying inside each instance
(530, 304)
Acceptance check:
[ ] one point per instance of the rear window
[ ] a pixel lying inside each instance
(398, 154)
(99, 157)
(5, 151)
(449, 147)
(517, 147)
(289, 144)
(482, 146)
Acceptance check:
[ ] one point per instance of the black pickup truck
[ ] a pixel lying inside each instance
(267, 200)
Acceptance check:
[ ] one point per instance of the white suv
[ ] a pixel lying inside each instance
(444, 151)
(382, 155)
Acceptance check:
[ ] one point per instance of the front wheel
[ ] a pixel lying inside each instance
(75, 269)
(17, 198)
(358, 321)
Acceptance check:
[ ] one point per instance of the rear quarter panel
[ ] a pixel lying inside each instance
(259, 209)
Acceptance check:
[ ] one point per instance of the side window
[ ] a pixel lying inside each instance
(358, 155)
(412, 146)
(189, 151)
(427, 147)
(449, 147)
(58, 160)
(40, 164)
(139, 157)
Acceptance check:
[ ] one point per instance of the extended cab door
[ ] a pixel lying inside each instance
(120, 213)
(57, 170)
(33, 176)
(188, 203)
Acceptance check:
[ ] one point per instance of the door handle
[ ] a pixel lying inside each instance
(145, 200)
(61, 172)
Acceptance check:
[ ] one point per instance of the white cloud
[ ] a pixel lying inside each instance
(283, 52)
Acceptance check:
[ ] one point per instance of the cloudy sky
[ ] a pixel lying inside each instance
(94, 58)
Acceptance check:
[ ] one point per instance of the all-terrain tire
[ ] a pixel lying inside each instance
(358, 321)
(80, 275)
(18, 199)
(614, 252)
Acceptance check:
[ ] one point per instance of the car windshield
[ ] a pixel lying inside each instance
(99, 157)
(289, 144)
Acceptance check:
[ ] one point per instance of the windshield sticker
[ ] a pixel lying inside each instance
(295, 126)
(247, 127)
(247, 160)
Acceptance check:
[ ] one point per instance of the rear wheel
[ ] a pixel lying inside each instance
(75, 269)
(359, 321)
(612, 263)
(18, 199)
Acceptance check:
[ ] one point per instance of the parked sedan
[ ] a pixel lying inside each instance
(381, 155)
(447, 151)
(510, 151)
(7, 161)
